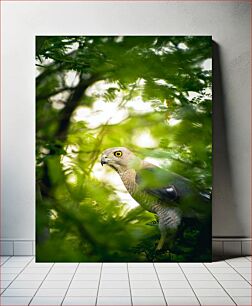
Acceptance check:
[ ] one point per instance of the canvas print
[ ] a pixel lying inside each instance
(123, 148)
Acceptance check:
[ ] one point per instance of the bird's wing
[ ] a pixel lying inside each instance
(207, 196)
(172, 189)
(162, 184)
(167, 193)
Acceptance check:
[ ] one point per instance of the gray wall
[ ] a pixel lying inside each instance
(227, 22)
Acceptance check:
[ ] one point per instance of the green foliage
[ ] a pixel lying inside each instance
(80, 217)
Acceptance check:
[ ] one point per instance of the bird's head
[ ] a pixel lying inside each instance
(120, 159)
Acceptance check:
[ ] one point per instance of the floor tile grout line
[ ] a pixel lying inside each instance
(70, 283)
(230, 260)
(189, 284)
(41, 283)
(220, 284)
(16, 276)
(9, 257)
(98, 288)
(239, 273)
(235, 271)
(1, 266)
(160, 284)
(131, 299)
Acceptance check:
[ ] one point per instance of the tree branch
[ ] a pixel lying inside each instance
(53, 93)
(71, 104)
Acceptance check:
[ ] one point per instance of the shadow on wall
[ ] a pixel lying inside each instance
(225, 214)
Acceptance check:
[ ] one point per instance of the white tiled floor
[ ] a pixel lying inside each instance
(24, 282)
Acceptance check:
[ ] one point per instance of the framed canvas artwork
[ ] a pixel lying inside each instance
(123, 148)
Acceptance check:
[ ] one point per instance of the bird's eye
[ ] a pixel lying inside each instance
(118, 153)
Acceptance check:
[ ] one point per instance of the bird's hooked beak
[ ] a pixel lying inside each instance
(104, 160)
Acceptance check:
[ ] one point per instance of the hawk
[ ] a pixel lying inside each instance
(168, 195)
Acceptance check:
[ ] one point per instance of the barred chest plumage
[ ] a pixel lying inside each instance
(168, 217)
(129, 180)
